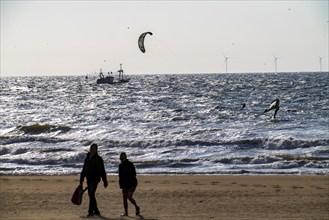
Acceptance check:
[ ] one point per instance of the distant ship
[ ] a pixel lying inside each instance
(110, 79)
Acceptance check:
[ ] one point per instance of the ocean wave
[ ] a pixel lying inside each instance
(318, 164)
(277, 143)
(46, 159)
(287, 164)
(54, 150)
(19, 151)
(291, 143)
(4, 150)
(256, 143)
(39, 129)
(7, 140)
(263, 159)
(15, 137)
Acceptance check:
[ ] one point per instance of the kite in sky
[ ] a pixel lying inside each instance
(141, 41)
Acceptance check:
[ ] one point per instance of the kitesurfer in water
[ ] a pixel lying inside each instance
(275, 105)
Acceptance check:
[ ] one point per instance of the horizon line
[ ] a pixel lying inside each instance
(188, 73)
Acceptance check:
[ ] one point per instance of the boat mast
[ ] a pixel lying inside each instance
(120, 72)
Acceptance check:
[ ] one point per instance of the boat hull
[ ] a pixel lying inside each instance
(105, 80)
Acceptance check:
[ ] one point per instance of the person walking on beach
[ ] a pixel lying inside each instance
(128, 183)
(94, 171)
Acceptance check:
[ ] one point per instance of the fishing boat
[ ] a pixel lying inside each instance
(105, 80)
(110, 79)
(122, 79)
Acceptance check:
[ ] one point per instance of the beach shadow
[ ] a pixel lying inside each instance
(136, 217)
(102, 217)
(96, 217)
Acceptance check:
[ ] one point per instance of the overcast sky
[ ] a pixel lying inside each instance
(80, 37)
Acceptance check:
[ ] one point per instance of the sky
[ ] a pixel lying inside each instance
(80, 37)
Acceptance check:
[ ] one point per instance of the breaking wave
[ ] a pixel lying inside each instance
(39, 129)
(258, 143)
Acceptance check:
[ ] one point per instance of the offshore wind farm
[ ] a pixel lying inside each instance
(35, 41)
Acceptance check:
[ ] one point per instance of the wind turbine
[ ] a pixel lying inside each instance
(276, 63)
(225, 61)
(320, 62)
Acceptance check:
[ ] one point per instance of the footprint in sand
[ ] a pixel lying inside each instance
(297, 187)
(259, 186)
(316, 187)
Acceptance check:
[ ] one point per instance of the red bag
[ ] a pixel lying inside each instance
(77, 195)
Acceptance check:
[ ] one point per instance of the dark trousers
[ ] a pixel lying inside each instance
(92, 186)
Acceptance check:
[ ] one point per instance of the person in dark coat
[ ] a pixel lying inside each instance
(128, 183)
(94, 171)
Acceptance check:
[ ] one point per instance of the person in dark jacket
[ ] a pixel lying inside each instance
(94, 171)
(128, 183)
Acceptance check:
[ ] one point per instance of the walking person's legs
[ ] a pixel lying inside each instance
(128, 195)
(125, 202)
(92, 187)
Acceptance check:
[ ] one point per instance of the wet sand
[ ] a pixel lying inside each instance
(171, 197)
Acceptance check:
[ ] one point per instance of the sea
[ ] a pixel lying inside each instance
(168, 124)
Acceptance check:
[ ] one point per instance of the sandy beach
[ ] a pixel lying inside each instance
(171, 197)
